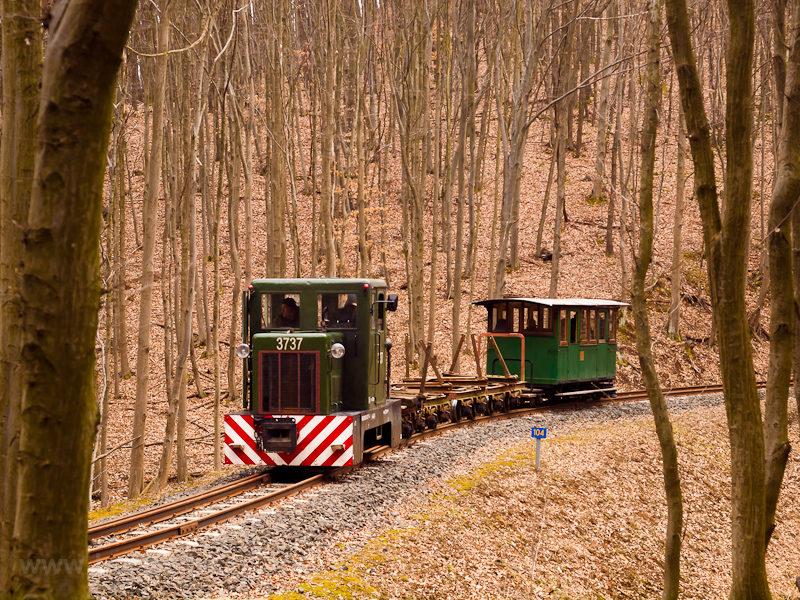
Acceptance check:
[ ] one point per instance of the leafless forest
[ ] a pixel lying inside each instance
(456, 149)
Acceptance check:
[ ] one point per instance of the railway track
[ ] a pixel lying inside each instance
(198, 512)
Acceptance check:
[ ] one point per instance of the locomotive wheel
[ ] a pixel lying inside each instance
(456, 413)
(431, 421)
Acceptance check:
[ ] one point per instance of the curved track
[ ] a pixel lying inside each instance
(247, 486)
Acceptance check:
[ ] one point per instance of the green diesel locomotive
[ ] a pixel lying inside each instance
(316, 373)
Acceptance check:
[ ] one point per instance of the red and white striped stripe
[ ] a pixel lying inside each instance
(315, 436)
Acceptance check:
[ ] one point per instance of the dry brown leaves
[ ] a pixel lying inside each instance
(590, 524)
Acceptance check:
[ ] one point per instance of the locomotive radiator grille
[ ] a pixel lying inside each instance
(289, 382)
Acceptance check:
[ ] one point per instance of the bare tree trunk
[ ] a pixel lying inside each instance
(562, 109)
(61, 296)
(561, 177)
(725, 235)
(669, 450)
(328, 102)
(149, 214)
(785, 196)
(603, 108)
(21, 65)
(673, 321)
(515, 136)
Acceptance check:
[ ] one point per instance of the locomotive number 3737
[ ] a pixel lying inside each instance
(289, 343)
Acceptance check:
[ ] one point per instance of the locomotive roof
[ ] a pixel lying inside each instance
(328, 284)
(557, 302)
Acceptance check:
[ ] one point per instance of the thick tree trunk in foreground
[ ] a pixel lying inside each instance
(22, 58)
(61, 296)
(785, 196)
(669, 450)
(725, 239)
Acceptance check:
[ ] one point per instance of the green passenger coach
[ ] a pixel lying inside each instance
(560, 347)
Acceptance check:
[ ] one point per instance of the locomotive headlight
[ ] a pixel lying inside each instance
(337, 350)
(243, 350)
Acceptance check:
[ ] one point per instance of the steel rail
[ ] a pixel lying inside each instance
(168, 533)
(174, 509)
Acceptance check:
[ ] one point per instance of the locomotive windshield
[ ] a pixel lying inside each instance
(280, 311)
(338, 311)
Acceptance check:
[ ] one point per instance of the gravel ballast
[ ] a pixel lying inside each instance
(251, 555)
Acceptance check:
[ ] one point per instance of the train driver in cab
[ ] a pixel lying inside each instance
(289, 315)
(347, 314)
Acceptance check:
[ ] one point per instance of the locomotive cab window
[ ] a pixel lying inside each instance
(280, 311)
(338, 311)
(380, 311)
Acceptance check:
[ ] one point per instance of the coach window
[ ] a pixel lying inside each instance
(546, 321)
(601, 325)
(516, 312)
(532, 319)
(612, 326)
(573, 327)
(592, 326)
(499, 321)
(562, 327)
(584, 326)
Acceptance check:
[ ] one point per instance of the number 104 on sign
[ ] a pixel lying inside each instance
(538, 433)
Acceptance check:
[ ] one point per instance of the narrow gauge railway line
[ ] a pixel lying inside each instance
(222, 496)
(178, 508)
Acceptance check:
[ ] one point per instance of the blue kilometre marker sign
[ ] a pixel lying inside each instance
(539, 433)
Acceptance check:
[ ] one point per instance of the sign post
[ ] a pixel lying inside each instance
(538, 433)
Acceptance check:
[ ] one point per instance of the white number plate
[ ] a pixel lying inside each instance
(289, 343)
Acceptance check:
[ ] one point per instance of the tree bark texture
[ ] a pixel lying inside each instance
(61, 295)
(21, 63)
(785, 196)
(725, 241)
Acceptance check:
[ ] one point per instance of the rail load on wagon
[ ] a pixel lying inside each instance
(316, 374)
(561, 347)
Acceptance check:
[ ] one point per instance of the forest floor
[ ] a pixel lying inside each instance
(585, 271)
(588, 525)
